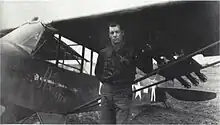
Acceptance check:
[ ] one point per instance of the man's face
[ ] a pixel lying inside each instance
(115, 34)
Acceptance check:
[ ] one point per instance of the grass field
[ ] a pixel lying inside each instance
(205, 112)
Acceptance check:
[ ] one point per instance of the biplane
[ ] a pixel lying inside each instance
(30, 83)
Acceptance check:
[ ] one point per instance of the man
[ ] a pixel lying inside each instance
(116, 70)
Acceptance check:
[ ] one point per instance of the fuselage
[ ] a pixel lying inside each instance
(36, 84)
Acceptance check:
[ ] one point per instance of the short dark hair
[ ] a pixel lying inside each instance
(113, 24)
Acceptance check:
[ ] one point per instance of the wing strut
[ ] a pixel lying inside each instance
(95, 101)
(175, 62)
(91, 62)
(58, 50)
(212, 64)
(64, 55)
(83, 55)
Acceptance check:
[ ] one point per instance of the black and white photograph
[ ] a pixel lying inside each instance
(109, 62)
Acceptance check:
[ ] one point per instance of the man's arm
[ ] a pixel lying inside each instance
(99, 67)
(104, 71)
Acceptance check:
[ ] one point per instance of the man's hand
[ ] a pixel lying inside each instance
(123, 61)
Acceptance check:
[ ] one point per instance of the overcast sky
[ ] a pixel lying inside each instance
(17, 12)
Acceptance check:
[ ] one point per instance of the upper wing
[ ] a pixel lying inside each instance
(171, 28)
(168, 28)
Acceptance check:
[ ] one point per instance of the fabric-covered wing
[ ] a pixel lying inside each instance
(169, 28)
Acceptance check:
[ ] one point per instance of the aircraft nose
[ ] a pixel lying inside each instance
(11, 56)
(8, 52)
(5, 49)
(11, 60)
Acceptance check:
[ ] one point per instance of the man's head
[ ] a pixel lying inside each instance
(116, 34)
